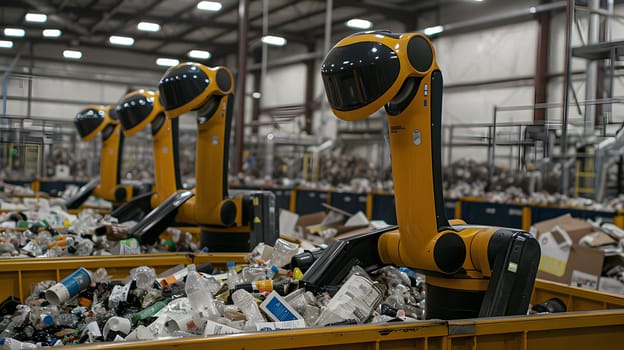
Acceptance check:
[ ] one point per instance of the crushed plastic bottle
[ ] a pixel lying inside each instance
(23, 314)
(144, 276)
(13, 344)
(202, 302)
(354, 301)
(232, 276)
(247, 304)
(253, 273)
(283, 251)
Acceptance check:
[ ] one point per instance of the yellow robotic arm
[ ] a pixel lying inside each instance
(195, 87)
(471, 271)
(136, 111)
(89, 122)
(228, 223)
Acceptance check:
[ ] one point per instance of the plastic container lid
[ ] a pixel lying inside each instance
(47, 320)
(230, 264)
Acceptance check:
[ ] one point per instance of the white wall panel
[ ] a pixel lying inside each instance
(284, 86)
(77, 90)
(476, 106)
(496, 53)
(557, 43)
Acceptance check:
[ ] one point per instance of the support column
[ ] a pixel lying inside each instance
(541, 66)
(309, 93)
(239, 88)
(565, 176)
(255, 103)
(591, 76)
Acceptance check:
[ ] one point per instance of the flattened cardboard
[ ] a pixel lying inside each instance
(576, 228)
(584, 259)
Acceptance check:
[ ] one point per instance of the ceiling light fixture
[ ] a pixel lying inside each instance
(209, 6)
(199, 54)
(6, 44)
(121, 40)
(274, 40)
(72, 54)
(433, 30)
(148, 26)
(17, 32)
(36, 17)
(167, 62)
(359, 23)
(52, 33)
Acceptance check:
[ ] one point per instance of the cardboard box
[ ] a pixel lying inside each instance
(610, 285)
(324, 227)
(576, 228)
(564, 259)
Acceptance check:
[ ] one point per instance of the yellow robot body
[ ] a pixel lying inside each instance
(370, 70)
(195, 87)
(136, 111)
(94, 120)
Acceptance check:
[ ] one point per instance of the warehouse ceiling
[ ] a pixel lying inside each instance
(184, 27)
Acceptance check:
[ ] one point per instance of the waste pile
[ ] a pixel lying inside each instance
(469, 178)
(58, 234)
(265, 294)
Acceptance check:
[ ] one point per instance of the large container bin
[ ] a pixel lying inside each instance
(541, 213)
(310, 201)
(384, 208)
(602, 329)
(349, 202)
(571, 331)
(496, 214)
(18, 275)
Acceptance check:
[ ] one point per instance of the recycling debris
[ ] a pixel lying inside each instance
(264, 294)
(90, 233)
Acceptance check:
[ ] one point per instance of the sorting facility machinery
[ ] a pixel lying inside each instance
(228, 223)
(471, 271)
(90, 122)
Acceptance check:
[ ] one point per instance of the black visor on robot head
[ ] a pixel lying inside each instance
(88, 120)
(181, 85)
(358, 74)
(134, 109)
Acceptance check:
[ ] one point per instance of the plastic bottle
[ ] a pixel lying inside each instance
(13, 344)
(144, 276)
(66, 320)
(272, 271)
(148, 312)
(198, 292)
(6, 320)
(174, 277)
(253, 273)
(283, 251)
(232, 277)
(247, 304)
(16, 321)
(259, 286)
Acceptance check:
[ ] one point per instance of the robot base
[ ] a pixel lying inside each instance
(452, 304)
